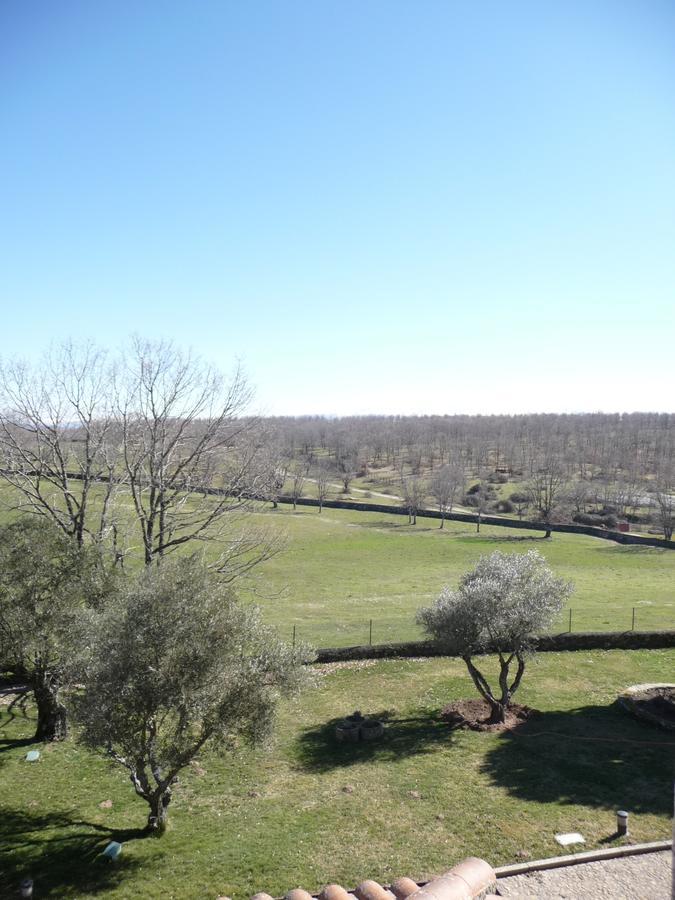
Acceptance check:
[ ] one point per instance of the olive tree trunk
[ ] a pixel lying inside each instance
(499, 701)
(52, 723)
(158, 815)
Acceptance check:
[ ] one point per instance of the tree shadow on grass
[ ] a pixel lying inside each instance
(631, 549)
(389, 526)
(592, 756)
(318, 750)
(474, 537)
(61, 853)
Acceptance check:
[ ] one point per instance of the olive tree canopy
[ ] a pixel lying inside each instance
(497, 608)
(175, 665)
(47, 586)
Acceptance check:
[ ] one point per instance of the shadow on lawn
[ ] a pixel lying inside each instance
(631, 549)
(62, 854)
(473, 537)
(319, 751)
(593, 756)
(387, 525)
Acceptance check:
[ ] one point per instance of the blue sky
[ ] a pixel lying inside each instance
(421, 207)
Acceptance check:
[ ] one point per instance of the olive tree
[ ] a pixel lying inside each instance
(497, 608)
(175, 665)
(47, 585)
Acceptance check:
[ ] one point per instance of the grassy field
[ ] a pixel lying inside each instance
(308, 811)
(342, 568)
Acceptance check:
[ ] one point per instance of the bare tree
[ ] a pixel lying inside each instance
(413, 490)
(271, 472)
(545, 487)
(444, 487)
(664, 499)
(322, 485)
(626, 495)
(190, 459)
(58, 441)
(578, 495)
(480, 496)
(298, 475)
(521, 501)
(347, 466)
(497, 608)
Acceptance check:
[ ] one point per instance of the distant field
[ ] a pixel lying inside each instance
(342, 568)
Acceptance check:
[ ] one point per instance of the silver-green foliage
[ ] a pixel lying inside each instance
(48, 587)
(177, 664)
(497, 608)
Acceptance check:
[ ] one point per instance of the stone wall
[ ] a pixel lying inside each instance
(581, 640)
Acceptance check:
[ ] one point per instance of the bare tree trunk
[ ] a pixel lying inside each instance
(52, 724)
(497, 713)
(159, 816)
(498, 705)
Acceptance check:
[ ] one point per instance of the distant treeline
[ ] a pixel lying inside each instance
(587, 445)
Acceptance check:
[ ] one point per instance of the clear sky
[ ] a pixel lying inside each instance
(393, 207)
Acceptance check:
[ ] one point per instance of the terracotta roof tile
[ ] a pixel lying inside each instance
(472, 878)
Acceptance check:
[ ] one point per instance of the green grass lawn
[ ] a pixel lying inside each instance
(270, 820)
(343, 567)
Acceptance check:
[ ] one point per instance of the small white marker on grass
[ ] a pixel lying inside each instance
(32, 756)
(572, 838)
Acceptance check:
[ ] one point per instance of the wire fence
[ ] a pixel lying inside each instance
(641, 617)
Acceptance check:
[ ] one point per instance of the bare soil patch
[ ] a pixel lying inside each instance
(475, 714)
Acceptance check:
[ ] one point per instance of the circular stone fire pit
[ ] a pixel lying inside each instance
(357, 728)
(654, 703)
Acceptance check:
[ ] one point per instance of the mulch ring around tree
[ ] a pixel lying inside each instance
(475, 714)
(652, 702)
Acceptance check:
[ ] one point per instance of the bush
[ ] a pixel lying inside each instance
(497, 478)
(599, 521)
(505, 506)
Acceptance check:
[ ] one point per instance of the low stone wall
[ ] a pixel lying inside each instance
(620, 537)
(580, 640)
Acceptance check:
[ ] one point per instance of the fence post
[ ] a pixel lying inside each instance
(632, 627)
(294, 637)
(570, 626)
(370, 635)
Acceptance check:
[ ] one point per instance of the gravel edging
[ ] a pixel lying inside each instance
(586, 856)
